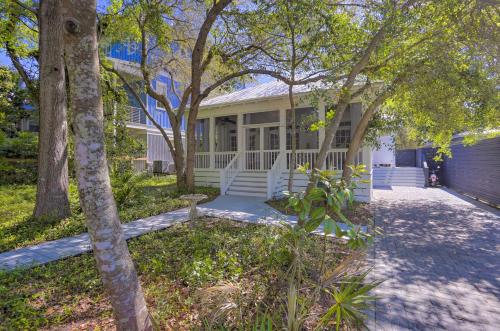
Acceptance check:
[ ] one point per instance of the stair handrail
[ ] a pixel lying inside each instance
(228, 174)
(273, 174)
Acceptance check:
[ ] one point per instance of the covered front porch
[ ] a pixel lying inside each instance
(251, 152)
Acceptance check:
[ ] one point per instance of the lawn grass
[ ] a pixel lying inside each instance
(152, 196)
(358, 213)
(182, 271)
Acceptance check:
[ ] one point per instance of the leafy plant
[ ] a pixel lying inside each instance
(23, 145)
(263, 322)
(331, 193)
(351, 299)
(125, 185)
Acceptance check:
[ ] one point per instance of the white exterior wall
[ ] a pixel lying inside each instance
(386, 155)
(158, 148)
(211, 176)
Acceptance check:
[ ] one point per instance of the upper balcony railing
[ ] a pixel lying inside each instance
(136, 115)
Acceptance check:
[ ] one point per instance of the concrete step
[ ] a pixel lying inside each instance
(397, 172)
(262, 174)
(247, 188)
(237, 182)
(251, 179)
(398, 176)
(246, 194)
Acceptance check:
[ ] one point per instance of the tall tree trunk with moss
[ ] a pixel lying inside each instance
(113, 259)
(52, 197)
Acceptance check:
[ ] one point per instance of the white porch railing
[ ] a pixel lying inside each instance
(202, 160)
(222, 159)
(335, 158)
(228, 174)
(301, 158)
(274, 173)
(260, 160)
(266, 160)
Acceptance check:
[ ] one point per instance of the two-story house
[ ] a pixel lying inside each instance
(126, 57)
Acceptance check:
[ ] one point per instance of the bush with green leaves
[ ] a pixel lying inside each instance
(348, 293)
(125, 182)
(17, 171)
(24, 145)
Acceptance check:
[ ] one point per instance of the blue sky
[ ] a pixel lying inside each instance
(4, 60)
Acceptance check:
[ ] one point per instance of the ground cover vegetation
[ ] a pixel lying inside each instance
(220, 274)
(139, 196)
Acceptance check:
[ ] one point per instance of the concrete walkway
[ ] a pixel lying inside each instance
(245, 209)
(440, 258)
(236, 208)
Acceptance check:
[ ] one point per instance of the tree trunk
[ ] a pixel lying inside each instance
(110, 248)
(293, 155)
(191, 150)
(359, 135)
(52, 187)
(179, 158)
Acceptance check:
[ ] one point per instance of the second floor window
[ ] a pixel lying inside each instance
(161, 88)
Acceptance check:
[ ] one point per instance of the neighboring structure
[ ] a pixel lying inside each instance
(385, 155)
(126, 58)
(388, 170)
(244, 140)
(473, 170)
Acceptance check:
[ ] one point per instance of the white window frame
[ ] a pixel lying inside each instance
(162, 92)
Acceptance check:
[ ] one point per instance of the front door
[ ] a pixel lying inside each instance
(253, 148)
(262, 144)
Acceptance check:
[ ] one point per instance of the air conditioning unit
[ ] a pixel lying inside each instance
(163, 167)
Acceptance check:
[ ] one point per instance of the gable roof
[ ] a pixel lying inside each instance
(261, 91)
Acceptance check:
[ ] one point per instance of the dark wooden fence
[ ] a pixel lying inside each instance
(474, 170)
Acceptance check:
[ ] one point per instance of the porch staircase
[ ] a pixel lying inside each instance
(249, 183)
(398, 176)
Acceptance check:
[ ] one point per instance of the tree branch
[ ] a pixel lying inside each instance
(143, 106)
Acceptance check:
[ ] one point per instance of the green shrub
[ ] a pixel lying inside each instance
(125, 182)
(17, 171)
(24, 145)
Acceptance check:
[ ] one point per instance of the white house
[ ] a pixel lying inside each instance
(385, 155)
(244, 140)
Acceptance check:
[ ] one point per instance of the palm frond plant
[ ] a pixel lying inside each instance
(351, 300)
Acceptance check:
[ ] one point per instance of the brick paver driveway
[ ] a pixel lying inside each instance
(439, 256)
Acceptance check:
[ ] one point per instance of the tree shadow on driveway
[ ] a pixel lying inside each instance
(439, 254)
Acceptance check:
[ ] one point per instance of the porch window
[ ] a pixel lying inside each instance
(226, 139)
(262, 117)
(202, 135)
(342, 137)
(305, 138)
(271, 138)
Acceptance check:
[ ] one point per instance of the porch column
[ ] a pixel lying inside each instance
(282, 130)
(282, 133)
(211, 141)
(239, 139)
(321, 131)
(367, 158)
(367, 161)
